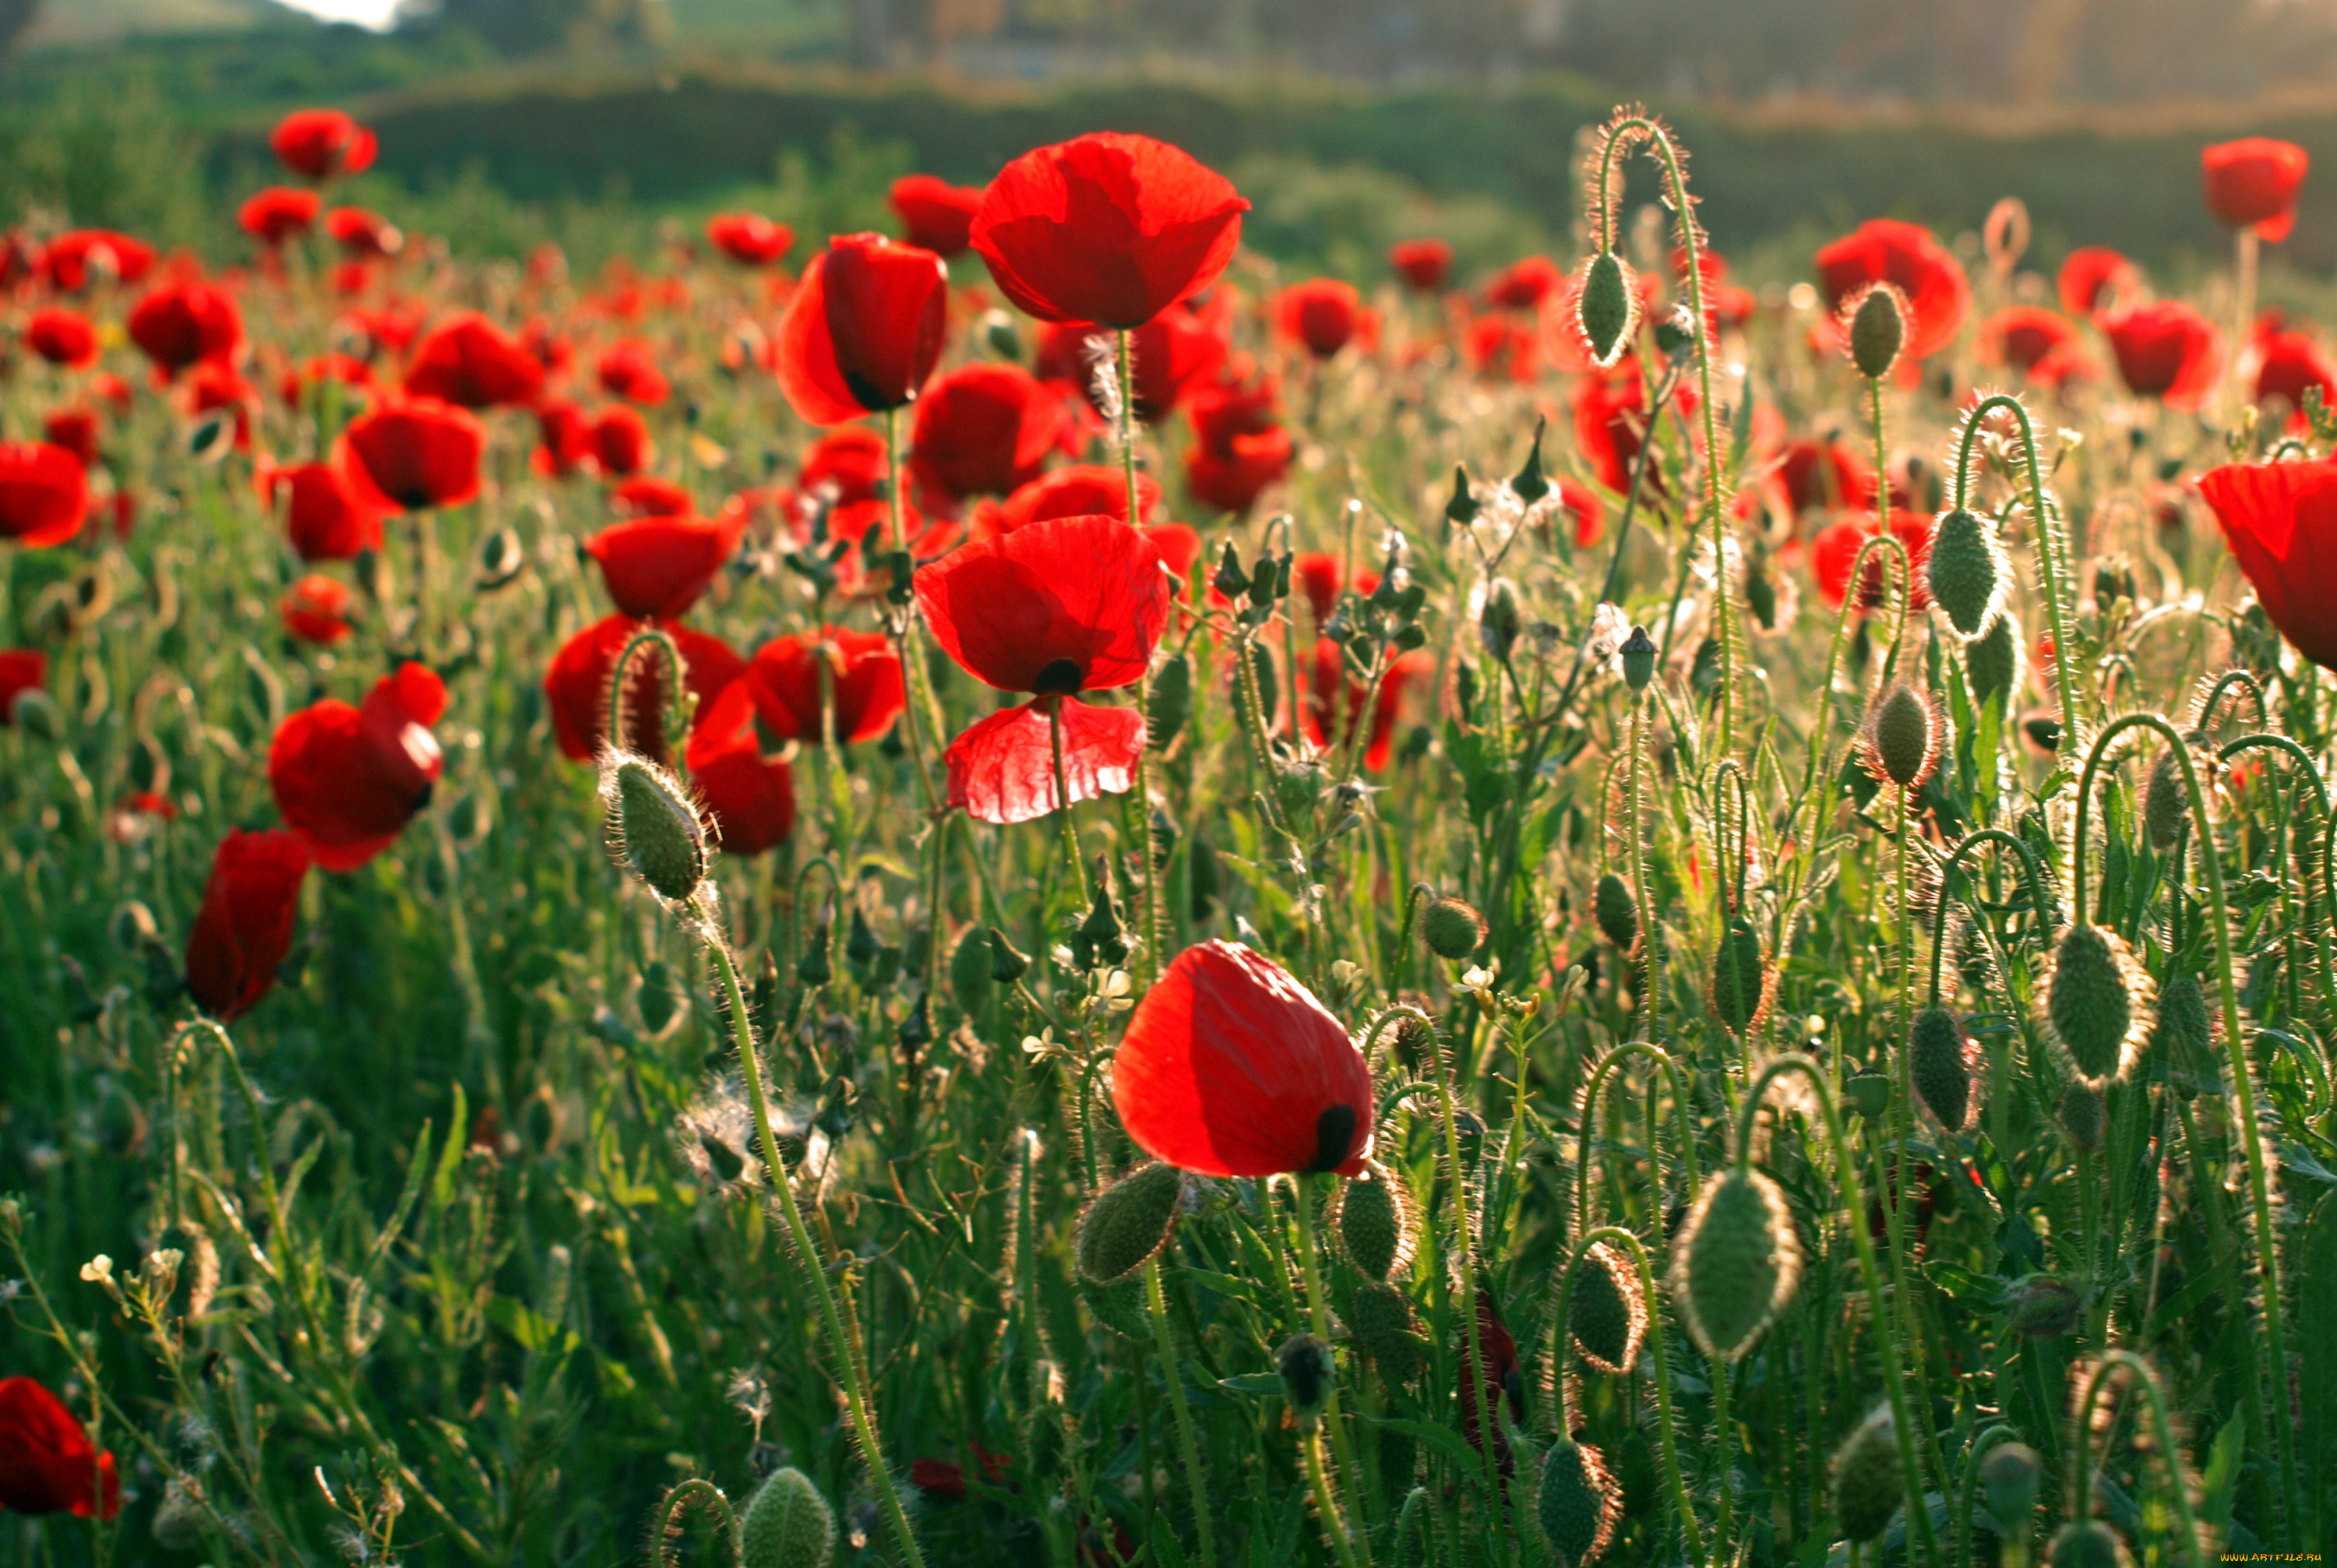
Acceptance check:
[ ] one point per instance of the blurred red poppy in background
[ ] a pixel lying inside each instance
(278, 213)
(1610, 424)
(578, 684)
(62, 336)
(1238, 448)
(937, 214)
(628, 370)
(2279, 520)
(851, 461)
(1326, 315)
(77, 259)
(244, 929)
(2282, 365)
(863, 330)
(1082, 490)
(1333, 690)
(644, 495)
(2167, 350)
(326, 517)
(183, 324)
(983, 430)
(48, 1463)
(44, 494)
(364, 235)
(619, 441)
(469, 361)
(408, 454)
(1885, 250)
(1580, 503)
(751, 796)
(2091, 278)
(863, 676)
(749, 238)
(318, 143)
(2253, 182)
(659, 566)
(1825, 475)
(1171, 356)
(1230, 1067)
(1523, 285)
(22, 670)
(1834, 553)
(75, 430)
(564, 438)
(348, 780)
(317, 609)
(1423, 264)
(2021, 335)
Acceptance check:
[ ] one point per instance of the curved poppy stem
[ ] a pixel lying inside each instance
(1063, 799)
(703, 1493)
(1683, 1131)
(2303, 759)
(1643, 904)
(1961, 1519)
(2038, 899)
(1164, 1345)
(2081, 1420)
(1356, 1553)
(1465, 1265)
(1153, 912)
(1894, 551)
(2041, 517)
(1882, 453)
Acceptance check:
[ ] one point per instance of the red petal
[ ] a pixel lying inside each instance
(1003, 769)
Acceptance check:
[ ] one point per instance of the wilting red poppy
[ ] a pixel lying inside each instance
(1825, 475)
(578, 684)
(1170, 356)
(1423, 264)
(244, 929)
(2092, 277)
(367, 236)
(44, 494)
(76, 259)
(62, 336)
(1069, 605)
(983, 430)
(863, 328)
(1885, 250)
(1238, 448)
(48, 1463)
(182, 324)
(937, 214)
(278, 213)
(1107, 228)
(646, 496)
(2254, 182)
(2021, 335)
(751, 796)
(1610, 422)
(864, 679)
(317, 609)
(318, 143)
(749, 237)
(1332, 689)
(326, 517)
(1524, 285)
(1230, 1067)
(1834, 552)
(469, 361)
(2279, 520)
(2285, 365)
(619, 441)
(22, 670)
(75, 430)
(628, 370)
(408, 454)
(1325, 314)
(1580, 502)
(348, 780)
(2167, 350)
(659, 566)
(1082, 490)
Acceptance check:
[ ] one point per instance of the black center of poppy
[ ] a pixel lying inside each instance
(1061, 678)
(866, 393)
(416, 500)
(1334, 1136)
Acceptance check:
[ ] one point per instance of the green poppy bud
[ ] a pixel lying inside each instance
(1735, 1263)
(1307, 1378)
(1372, 1220)
(1578, 1503)
(1128, 1223)
(1877, 330)
(787, 1525)
(1968, 571)
(1617, 912)
(1607, 306)
(654, 827)
(2097, 1003)
(2009, 1476)
(1451, 928)
(1638, 654)
(1868, 1487)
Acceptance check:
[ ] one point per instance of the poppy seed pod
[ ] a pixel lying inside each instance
(2008, 1482)
(2088, 1544)
(1499, 619)
(2046, 1308)
(1876, 327)
(654, 827)
(1742, 979)
(1940, 1061)
(1902, 743)
(1007, 963)
(1578, 1503)
(1128, 1223)
(1386, 1327)
(1307, 1376)
(2097, 1003)
(789, 1524)
(1612, 906)
(1735, 1263)
(1967, 571)
(1373, 1218)
(1868, 1487)
(1639, 656)
(1451, 928)
(1604, 1312)
(1606, 306)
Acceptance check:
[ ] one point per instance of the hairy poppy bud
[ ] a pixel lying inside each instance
(1006, 965)
(1128, 1223)
(36, 713)
(1373, 1221)
(2088, 1544)
(2185, 1031)
(1735, 1263)
(1604, 1312)
(1531, 484)
(1172, 702)
(2083, 1116)
(1578, 1503)
(1297, 785)
(1308, 1376)
(2165, 801)
(2098, 1001)
(1869, 1487)
(654, 827)
(1606, 306)
(789, 1524)
(1638, 655)
(1992, 659)
(1940, 1060)
(1877, 330)
(1616, 911)
(1463, 507)
(1902, 743)
(1386, 1327)
(2046, 1308)
(1453, 928)
(2008, 1481)
(1100, 938)
(1967, 571)
(1741, 978)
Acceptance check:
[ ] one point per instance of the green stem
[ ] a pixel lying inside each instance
(2041, 516)
(1063, 799)
(1318, 1317)
(2079, 1502)
(1637, 829)
(1151, 911)
(1164, 1342)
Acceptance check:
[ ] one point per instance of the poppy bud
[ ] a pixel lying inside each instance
(1638, 655)
(1868, 1487)
(916, 1030)
(2008, 1481)
(1531, 485)
(1499, 619)
(1967, 571)
(789, 1524)
(659, 999)
(2083, 1116)
(1877, 330)
(2097, 999)
(2046, 1308)
(1453, 928)
(1100, 938)
(1902, 743)
(1604, 1312)
(1172, 702)
(36, 713)
(654, 827)
(1463, 507)
(970, 961)
(2088, 1544)
(1992, 659)
(1006, 964)
(1741, 978)
(2185, 1031)
(1618, 914)
(1606, 306)
(177, 1519)
(1735, 1263)
(1868, 1094)
(860, 945)
(813, 967)
(1578, 1503)
(1373, 1218)
(1230, 579)
(1308, 1376)
(1941, 1064)
(1296, 786)
(1386, 1329)
(2165, 801)
(1128, 1223)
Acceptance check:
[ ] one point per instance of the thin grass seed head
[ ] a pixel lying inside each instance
(787, 1525)
(1904, 737)
(1868, 1487)
(1606, 1315)
(1578, 1503)
(1874, 328)
(1735, 1263)
(1372, 1217)
(654, 827)
(1617, 912)
(1127, 1223)
(1969, 571)
(1945, 1064)
(2098, 1003)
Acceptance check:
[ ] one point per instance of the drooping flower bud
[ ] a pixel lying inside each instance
(2009, 1476)
(1944, 1067)
(1735, 1263)
(1604, 1312)
(1531, 484)
(2185, 1031)
(1876, 327)
(1127, 1223)
(1617, 912)
(1006, 965)
(1968, 571)
(1307, 1376)
(2046, 1307)
(654, 827)
(1639, 656)
(1463, 507)
(1606, 306)
(1578, 1503)
(1451, 928)
(2097, 1003)
(1901, 742)
(1371, 1217)
(1742, 979)
(1230, 579)
(1868, 1487)
(789, 1524)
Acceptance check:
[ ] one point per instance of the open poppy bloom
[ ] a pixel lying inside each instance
(646, 496)
(2167, 350)
(469, 361)
(363, 235)
(183, 324)
(1523, 285)
(1825, 475)
(1333, 690)
(1239, 448)
(938, 215)
(1081, 490)
(1326, 315)
(2279, 520)
(863, 328)
(278, 213)
(348, 780)
(81, 257)
(749, 237)
(563, 438)
(1610, 424)
(2253, 184)
(1069, 605)
(1230, 1067)
(983, 430)
(1423, 264)
(1108, 228)
(48, 1463)
(1885, 250)
(2091, 278)
(62, 336)
(325, 517)
(1580, 502)
(318, 143)
(44, 494)
(864, 681)
(317, 609)
(618, 442)
(629, 371)
(579, 684)
(22, 670)
(2285, 365)
(659, 566)
(244, 929)
(751, 796)
(408, 454)
(1834, 553)
(1170, 356)
(2021, 335)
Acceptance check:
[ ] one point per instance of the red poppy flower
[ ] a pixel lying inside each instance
(317, 609)
(1885, 250)
(467, 360)
(2021, 335)
(1238, 449)
(660, 565)
(76, 259)
(619, 441)
(564, 438)
(22, 670)
(751, 796)
(1835, 550)
(749, 238)
(367, 236)
(1825, 475)
(938, 215)
(44, 494)
(2279, 520)
(628, 370)
(336, 369)
(579, 680)
(864, 684)
(2090, 273)
(1524, 285)
(278, 213)
(1084, 489)
(1497, 1365)
(325, 517)
(182, 324)
(2167, 350)
(244, 929)
(318, 143)
(1581, 503)
(1610, 422)
(1423, 264)
(864, 330)
(217, 385)
(1326, 315)
(850, 460)
(1108, 228)
(1504, 347)
(62, 336)
(406, 453)
(1171, 356)
(75, 430)
(348, 780)
(1328, 681)
(2285, 364)
(645, 496)
(983, 430)
(2254, 182)
(48, 1463)
(1230, 1067)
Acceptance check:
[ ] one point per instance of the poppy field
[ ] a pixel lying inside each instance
(1029, 891)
